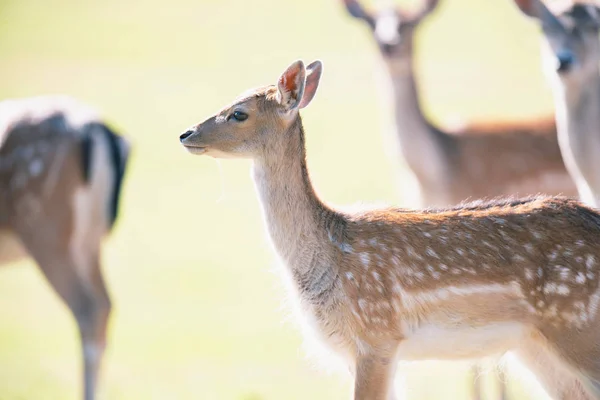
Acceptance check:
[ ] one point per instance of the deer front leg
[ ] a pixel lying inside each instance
(559, 381)
(476, 387)
(476, 381)
(374, 377)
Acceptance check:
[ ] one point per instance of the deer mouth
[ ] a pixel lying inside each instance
(195, 149)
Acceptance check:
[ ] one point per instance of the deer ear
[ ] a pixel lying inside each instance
(428, 7)
(291, 86)
(528, 7)
(594, 12)
(313, 76)
(357, 11)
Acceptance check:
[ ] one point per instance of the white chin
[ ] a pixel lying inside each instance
(196, 150)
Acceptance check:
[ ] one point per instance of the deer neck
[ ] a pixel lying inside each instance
(419, 141)
(578, 109)
(297, 221)
(578, 123)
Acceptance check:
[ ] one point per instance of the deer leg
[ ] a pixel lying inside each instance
(81, 286)
(557, 378)
(502, 395)
(92, 327)
(476, 381)
(374, 377)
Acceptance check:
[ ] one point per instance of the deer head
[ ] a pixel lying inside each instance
(392, 27)
(572, 50)
(257, 121)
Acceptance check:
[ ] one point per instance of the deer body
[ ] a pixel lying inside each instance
(61, 171)
(476, 161)
(383, 285)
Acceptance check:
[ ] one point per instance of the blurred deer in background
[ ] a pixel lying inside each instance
(571, 55)
(476, 162)
(393, 284)
(61, 170)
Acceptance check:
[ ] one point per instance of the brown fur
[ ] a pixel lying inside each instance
(377, 286)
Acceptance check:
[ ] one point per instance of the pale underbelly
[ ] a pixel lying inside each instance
(432, 342)
(11, 249)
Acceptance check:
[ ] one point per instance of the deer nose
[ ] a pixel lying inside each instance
(185, 135)
(565, 60)
(387, 48)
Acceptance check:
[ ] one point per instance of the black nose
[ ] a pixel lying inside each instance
(185, 135)
(387, 48)
(565, 60)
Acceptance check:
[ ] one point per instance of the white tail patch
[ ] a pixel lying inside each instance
(91, 203)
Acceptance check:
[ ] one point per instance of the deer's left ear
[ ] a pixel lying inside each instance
(594, 12)
(528, 7)
(291, 86)
(313, 76)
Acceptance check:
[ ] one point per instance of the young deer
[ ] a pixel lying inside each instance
(571, 54)
(61, 170)
(394, 284)
(476, 162)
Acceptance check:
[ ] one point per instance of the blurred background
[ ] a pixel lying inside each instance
(198, 307)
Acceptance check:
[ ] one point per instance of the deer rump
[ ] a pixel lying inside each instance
(119, 156)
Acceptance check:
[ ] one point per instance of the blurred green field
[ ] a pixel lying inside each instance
(198, 308)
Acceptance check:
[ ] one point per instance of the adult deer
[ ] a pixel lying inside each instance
(61, 170)
(571, 54)
(394, 284)
(475, 162)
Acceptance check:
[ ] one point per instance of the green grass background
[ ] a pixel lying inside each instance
(198, 308)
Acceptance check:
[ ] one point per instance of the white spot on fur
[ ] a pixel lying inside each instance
(518, 258)
(366, 259)
(590, 260)
(563, 289)
(36, 167)
(362, 304)
(431, 252)
(580, 278)
(550, 288)
(540, 303)
(528, 274)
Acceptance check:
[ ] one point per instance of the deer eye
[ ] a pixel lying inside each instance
(239, 116)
